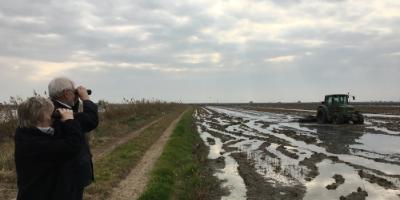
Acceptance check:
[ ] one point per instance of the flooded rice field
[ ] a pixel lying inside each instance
(267, 155)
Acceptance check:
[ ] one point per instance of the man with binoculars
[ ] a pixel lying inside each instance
(64, 95)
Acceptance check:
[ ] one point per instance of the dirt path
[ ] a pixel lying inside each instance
(135, 183)
(100, 153)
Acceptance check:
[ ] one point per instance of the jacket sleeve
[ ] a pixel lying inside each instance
(68, 144)
(89, 118)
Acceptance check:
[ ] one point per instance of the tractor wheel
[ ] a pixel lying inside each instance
(360, 119)
(321, 116)
(337, 119)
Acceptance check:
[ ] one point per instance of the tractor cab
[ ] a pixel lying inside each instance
(336, 109)
(338, 103)
(339, 99)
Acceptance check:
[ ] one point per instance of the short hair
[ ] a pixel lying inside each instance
(32, 111)
(58, 85)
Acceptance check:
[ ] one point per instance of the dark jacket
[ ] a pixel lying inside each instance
(81, 165)
(39, 157)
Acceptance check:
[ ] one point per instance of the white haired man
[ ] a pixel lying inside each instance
(40, 155)
(63, 93)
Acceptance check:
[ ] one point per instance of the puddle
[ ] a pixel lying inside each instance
(384, 144)
(384, 130)
(300, 110)
(316, 189)
(229, 174)
(233, 181)
(381, 115)
(216, 149)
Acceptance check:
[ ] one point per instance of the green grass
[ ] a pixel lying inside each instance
(181, 172)
(111, 169)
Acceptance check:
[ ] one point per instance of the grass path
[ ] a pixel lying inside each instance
(134, 184)
(113, 167)
(101, 152)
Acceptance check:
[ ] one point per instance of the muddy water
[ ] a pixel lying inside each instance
(298, 161)
(385, 144)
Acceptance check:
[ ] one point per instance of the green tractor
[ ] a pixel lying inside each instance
(336, 109)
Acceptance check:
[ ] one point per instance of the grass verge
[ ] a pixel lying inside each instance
(111, 169)
(182, 171)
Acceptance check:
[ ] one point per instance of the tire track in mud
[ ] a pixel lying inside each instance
(258, 188)
(286, 149)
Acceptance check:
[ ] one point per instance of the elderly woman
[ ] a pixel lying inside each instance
(40, 154)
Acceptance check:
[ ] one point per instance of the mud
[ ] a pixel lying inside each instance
(260, 188)
(283, 150)
(223, 137)
(358, 195)
(310, 163)
(263, 124)
(218, 163)
(297, 136)
(338, 181)
(264, 152)
(267, 154)
(210, 141)
(375, 179)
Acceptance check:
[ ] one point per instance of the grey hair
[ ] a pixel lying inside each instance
(32, 111)
(58, 85)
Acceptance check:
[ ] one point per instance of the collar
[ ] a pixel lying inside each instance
(46, 130)
(66, 105)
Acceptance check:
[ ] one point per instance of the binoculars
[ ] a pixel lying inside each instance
(89, 91)
(57, 115)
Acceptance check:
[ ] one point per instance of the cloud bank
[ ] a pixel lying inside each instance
(200, 51)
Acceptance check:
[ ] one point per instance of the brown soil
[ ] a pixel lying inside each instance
(297, 136)
(310, 163)
(358, 195)
(134, 184)
(259, 188)
(264, 124)
(224, 138)
(265, 152)
(338, 181)
(283, 150)
(210, 141)
(375, 179)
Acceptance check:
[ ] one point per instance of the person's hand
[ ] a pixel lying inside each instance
(66, 114)
(82, 93)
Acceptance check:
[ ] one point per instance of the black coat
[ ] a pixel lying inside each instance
(39, 157)
(81, 166)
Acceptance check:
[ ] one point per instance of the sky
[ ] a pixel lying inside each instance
(203, 50)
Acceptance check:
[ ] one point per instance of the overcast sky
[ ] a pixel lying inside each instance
(203, 50)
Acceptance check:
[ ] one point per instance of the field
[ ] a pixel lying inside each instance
(262, 152)
(159, 150)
